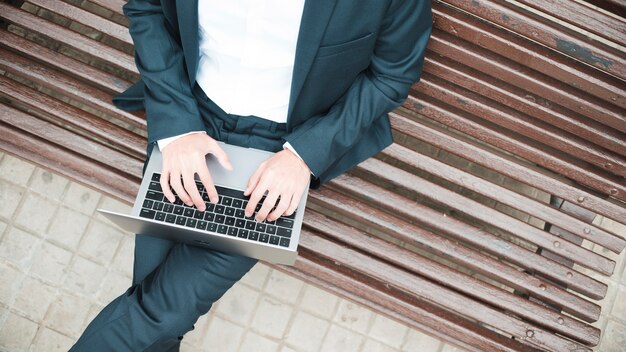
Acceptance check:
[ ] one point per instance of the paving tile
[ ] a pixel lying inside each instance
(271, 317)
(319, 302)
(376, 346)
(68, 227)
(36, 213)
(113, 286)
(123, 260)
(11, 280)
(287, 349)
(3, 227)
(238, 304)
(10, 196)
(48, 184)
(284, 287)
(17, 333)
(418, 341)
(353, 316)
(223, 336)
(67, 314)
(100, 242)
(81, 198)
(257, 276)
(196, 336)
(256, 343)
(451, 348)
(50, 263)
(341, 339)
(113, 204)
(619, 306)
(307, 332)
(614, 338)
(17, 247)
(16, 170)
(93, 311)
(388, 331)
(84, 276)
(51, 341)
(34, 298)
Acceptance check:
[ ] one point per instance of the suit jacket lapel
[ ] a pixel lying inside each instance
(315, 18)
(187, 12)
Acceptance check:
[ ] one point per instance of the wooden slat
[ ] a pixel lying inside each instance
(86, 18)
(113, 5)
(508, 15)
(535, 67)
(425, 289)
(71, 67)
(525, 101)
(479, 238)
(67, 37)
(461, 282)
(521, 146)
(58, 82)
(515, 121)
(488, 215)
(506, 165)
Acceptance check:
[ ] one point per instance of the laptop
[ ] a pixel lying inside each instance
(222, 226)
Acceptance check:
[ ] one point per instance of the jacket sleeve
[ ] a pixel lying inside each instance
(396, 64)
(168, 99)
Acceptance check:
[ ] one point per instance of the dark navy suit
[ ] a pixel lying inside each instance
(355, 61)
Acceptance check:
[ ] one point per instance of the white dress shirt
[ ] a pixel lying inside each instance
(247, 54)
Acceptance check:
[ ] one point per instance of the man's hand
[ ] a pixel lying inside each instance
(185, 157)
(283, 175)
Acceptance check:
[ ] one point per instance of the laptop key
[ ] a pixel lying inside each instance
(274, 239)
(220, 218)
(178, 210)
(240, 213)
(219, 209)
(284, 242)
(212, 227)
(181, 220)
(253, 235)
(240, 223)
(243, 233)
(155, 186)
(154, 195)
(147, 213)
(158, 206)
(284, 222)
(271, 229)
(209, 206)
(156, 176)
(263, 237)
(229, 211)
(232, 231)
(281, 231)
(209, 216)
(171, 218)
(191, 222)
(250, 225)
(147, 203)
(222, 229)
(227, 201)
(230, 221)
(260, 227)
(168, 207)
(237, 203)
(230, 192)
(201, 225)
(160, 216)
(198, 215)
(188, 212)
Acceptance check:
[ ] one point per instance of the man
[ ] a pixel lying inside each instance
(311, 80)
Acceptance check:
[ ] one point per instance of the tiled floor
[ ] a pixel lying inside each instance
(60, 262)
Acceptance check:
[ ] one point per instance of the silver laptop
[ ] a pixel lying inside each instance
(222, 226)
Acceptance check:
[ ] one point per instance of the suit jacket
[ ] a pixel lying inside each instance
(355, 61)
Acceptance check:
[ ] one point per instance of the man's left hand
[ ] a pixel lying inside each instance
(283, 175)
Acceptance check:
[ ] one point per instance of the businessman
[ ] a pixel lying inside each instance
(310, 80)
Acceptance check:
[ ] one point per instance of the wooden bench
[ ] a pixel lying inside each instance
(475, 226)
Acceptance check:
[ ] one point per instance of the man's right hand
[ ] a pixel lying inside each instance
(186, 156)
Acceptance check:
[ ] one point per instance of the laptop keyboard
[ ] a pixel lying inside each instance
(226, 217)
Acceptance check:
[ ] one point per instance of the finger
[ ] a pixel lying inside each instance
(165, 186)
(283, 204)
(268, 204)
(178, 187)
(255, 197)
(254, 180)
(221, 156)
(207, 181)
(192, 190)
(295, 201)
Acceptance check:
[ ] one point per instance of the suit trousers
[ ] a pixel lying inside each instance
(174, 283)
